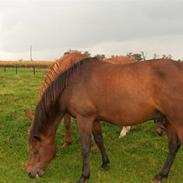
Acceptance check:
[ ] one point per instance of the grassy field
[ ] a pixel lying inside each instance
(135, 159)
(26, 63)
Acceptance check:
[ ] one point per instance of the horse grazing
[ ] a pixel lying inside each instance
(61, 65)
(143, 91)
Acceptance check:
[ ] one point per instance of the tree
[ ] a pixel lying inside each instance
(138, 56)
(100, 56)
(166, 56)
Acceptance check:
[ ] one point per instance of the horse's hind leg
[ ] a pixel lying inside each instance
(85, 130)
(160, 124)
(97, 133)
(68, 132)
(124, 131)
(174, 145)
(159, 128)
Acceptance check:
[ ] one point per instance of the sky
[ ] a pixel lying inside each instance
(110, 27)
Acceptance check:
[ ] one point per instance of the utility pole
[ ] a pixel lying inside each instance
(30, 52)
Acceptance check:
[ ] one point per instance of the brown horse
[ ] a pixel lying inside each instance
(62, 65)
(143, 91)
(125, 129)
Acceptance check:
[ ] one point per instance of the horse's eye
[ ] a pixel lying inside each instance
(37, 138)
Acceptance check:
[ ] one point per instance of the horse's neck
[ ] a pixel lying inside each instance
(54, 123)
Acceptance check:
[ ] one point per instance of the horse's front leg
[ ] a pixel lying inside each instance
(68, 132)
(174, 145)
(97, 133)
(85, 131)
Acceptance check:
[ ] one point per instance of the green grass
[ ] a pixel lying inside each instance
(135, 159)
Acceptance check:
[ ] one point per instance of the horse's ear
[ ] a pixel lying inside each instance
(29, 114)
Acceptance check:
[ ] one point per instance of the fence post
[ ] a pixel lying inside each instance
(5, 69)
(16, 69)
(34, 70)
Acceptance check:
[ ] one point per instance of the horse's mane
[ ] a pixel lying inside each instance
(48, 101)
(156, 60)
(121, 60)
(60, 65)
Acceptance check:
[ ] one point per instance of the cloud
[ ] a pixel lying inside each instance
(55, 26)
(149, 46)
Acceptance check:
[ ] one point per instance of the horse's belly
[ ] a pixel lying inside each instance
(127, 115)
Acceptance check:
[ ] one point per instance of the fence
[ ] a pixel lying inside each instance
(28, 64)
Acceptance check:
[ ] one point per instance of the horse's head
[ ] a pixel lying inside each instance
(41, 151)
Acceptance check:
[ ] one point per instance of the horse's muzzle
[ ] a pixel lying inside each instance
(37, 172)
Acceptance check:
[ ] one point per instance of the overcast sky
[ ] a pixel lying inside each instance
(98, 26)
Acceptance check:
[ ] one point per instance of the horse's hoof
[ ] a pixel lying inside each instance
(82, 180)
(105, 167)
(157, 179)
(159, 132)
(122, 136)
(66, 144)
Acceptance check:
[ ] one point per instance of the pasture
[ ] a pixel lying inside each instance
(134, 159)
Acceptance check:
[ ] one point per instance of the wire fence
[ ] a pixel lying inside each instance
(17, 66)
